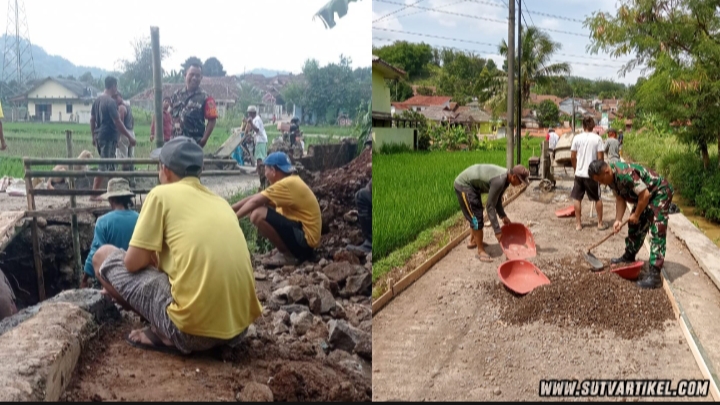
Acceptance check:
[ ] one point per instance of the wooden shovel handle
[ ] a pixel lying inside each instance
(608, 237)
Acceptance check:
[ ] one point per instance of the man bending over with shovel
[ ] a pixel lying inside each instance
(491, 179)
(651, 196)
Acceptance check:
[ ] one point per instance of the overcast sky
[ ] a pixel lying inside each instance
(480, 29)
(242, 34)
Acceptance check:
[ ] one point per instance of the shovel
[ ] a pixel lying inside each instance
(590, 258)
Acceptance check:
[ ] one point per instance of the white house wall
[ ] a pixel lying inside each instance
(81, 112)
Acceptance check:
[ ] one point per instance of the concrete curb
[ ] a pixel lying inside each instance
(699, 245)
(41, 345)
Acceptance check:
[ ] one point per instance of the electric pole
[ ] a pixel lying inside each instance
(510, 127)
(520, 84)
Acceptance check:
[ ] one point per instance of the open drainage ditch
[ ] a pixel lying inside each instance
(59, 267)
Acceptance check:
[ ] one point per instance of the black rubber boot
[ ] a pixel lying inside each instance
(625, 258)
(651, 279)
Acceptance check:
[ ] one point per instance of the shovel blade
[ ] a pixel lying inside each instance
(594, 261)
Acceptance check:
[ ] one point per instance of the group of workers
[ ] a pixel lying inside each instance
(594, 163)
(183, 264)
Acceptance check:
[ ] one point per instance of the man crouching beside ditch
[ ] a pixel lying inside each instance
(187, 270)
(491, 179)
(651, 196)
(287, 213)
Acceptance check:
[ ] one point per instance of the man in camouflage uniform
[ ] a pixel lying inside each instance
(651, 196)
(191, 106)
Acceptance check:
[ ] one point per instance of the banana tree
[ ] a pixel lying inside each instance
(327, 13)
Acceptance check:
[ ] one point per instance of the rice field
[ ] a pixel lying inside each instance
(46, 140)
(414, 191)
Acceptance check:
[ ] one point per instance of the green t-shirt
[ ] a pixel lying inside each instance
(479, 176)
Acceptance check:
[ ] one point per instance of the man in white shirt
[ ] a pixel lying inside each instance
(586, 147)
(554, 138)
(255, 124)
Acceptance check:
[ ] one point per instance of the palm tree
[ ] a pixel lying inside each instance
(537, 50)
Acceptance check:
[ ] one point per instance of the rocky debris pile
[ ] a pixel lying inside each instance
(582, 299)
(323, 307)
(326, 303)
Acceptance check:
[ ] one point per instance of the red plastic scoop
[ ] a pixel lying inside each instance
(566, 212)
(629, 272)
(521, 276)
(517, 242)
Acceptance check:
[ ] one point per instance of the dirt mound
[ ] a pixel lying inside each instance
(580, 298)
(110, 369)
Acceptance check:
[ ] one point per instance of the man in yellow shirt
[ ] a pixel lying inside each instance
(187, 270)
(287, 213)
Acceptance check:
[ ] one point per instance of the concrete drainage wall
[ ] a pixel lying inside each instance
(40, 345)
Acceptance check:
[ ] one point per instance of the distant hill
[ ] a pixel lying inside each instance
(53, 65)
(269, 72)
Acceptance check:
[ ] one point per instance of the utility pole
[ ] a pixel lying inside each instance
(573, 111)
(157, 83)
(520, 85)
(509, 129)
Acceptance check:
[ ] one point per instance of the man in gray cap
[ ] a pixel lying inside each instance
(491, 179)
(187, 270)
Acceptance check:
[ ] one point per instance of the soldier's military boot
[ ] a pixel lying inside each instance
(625, 258)
(651, 279)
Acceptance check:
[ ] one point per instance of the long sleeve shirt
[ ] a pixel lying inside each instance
(491, 179)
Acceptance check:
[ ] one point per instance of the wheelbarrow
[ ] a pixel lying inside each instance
(517, 242)
(521, 276)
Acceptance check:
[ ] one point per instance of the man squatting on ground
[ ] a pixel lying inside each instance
(287, 213)
(106, 128)
(586, 147)
(114, 228)
(651, 196)
(187, 270)
(491, 179)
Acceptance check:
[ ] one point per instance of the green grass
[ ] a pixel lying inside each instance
(400, 256)
(47, 140)
(416, 191)
(257, 244)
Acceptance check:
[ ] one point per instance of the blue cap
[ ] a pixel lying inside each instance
(281, 160)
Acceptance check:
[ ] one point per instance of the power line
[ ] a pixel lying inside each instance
(559, 17)
(484, 43)
(422, 11)
(479, 18)
(397, 11)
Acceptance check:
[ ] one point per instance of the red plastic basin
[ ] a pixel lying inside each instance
(629, 272)
(521, 276)
(566, 212)
(517, 242)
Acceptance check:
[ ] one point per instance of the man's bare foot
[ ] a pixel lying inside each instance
(145, 336)
(578, 227)
(484, 257)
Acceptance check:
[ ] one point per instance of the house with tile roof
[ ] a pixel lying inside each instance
(223, 89)
(59, 100)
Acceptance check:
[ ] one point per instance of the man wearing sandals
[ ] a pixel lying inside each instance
(287, 213)
(187, 270)
(651, 196)
(586, 147)
(491, 179)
